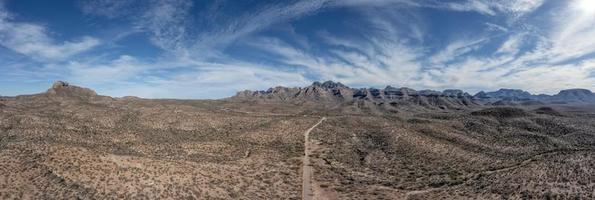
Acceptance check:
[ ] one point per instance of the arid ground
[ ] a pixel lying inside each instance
(70, 143)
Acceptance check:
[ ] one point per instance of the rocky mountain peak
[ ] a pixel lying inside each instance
(481, 95)
(329, 85)
(393, 92)
(390, 88)
(455, 93)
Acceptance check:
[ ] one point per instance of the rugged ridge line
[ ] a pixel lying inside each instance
(336, 92)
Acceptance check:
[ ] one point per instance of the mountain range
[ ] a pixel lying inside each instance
(330, 91)
(337, 95)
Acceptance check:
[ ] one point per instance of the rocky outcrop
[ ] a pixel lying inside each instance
(65, 94)
(61, 88)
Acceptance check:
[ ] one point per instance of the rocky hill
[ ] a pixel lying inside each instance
(63, 93)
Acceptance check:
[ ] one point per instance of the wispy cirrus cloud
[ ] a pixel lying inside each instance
(174, 28)
(108, 8)
(573, 34)
(386, 57)
(378, 61)
(213, 49)
(169, 23)
(457, 49)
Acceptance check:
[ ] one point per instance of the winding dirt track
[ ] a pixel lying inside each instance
(307, 192)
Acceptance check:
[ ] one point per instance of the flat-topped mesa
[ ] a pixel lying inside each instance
(575, 93)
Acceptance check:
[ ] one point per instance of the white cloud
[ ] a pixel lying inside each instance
(473, 5)
(551, 79)
(124, 68)
(173, 27)
(512, 45)
(517, 7)
(513, 8)
(377, 62)
(226, 30)
(130, 76)
(392, 52)
(34, 40)
(168, 21)
(217, 81)
(492, 26)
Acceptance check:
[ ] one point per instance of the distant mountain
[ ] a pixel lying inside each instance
(331, 93)
(504, 94)
(520, 97)
(575, 95)
(337, 93)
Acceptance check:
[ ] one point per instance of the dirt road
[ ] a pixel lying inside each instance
(307, 192)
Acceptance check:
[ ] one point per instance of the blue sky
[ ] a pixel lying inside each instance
(213, 48)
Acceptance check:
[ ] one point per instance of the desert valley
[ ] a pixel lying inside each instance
(297, 99)
(323, 141)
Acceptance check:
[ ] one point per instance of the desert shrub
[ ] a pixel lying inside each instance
(547, 111)
(418, 121)
(501, 112)
(553, 127)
